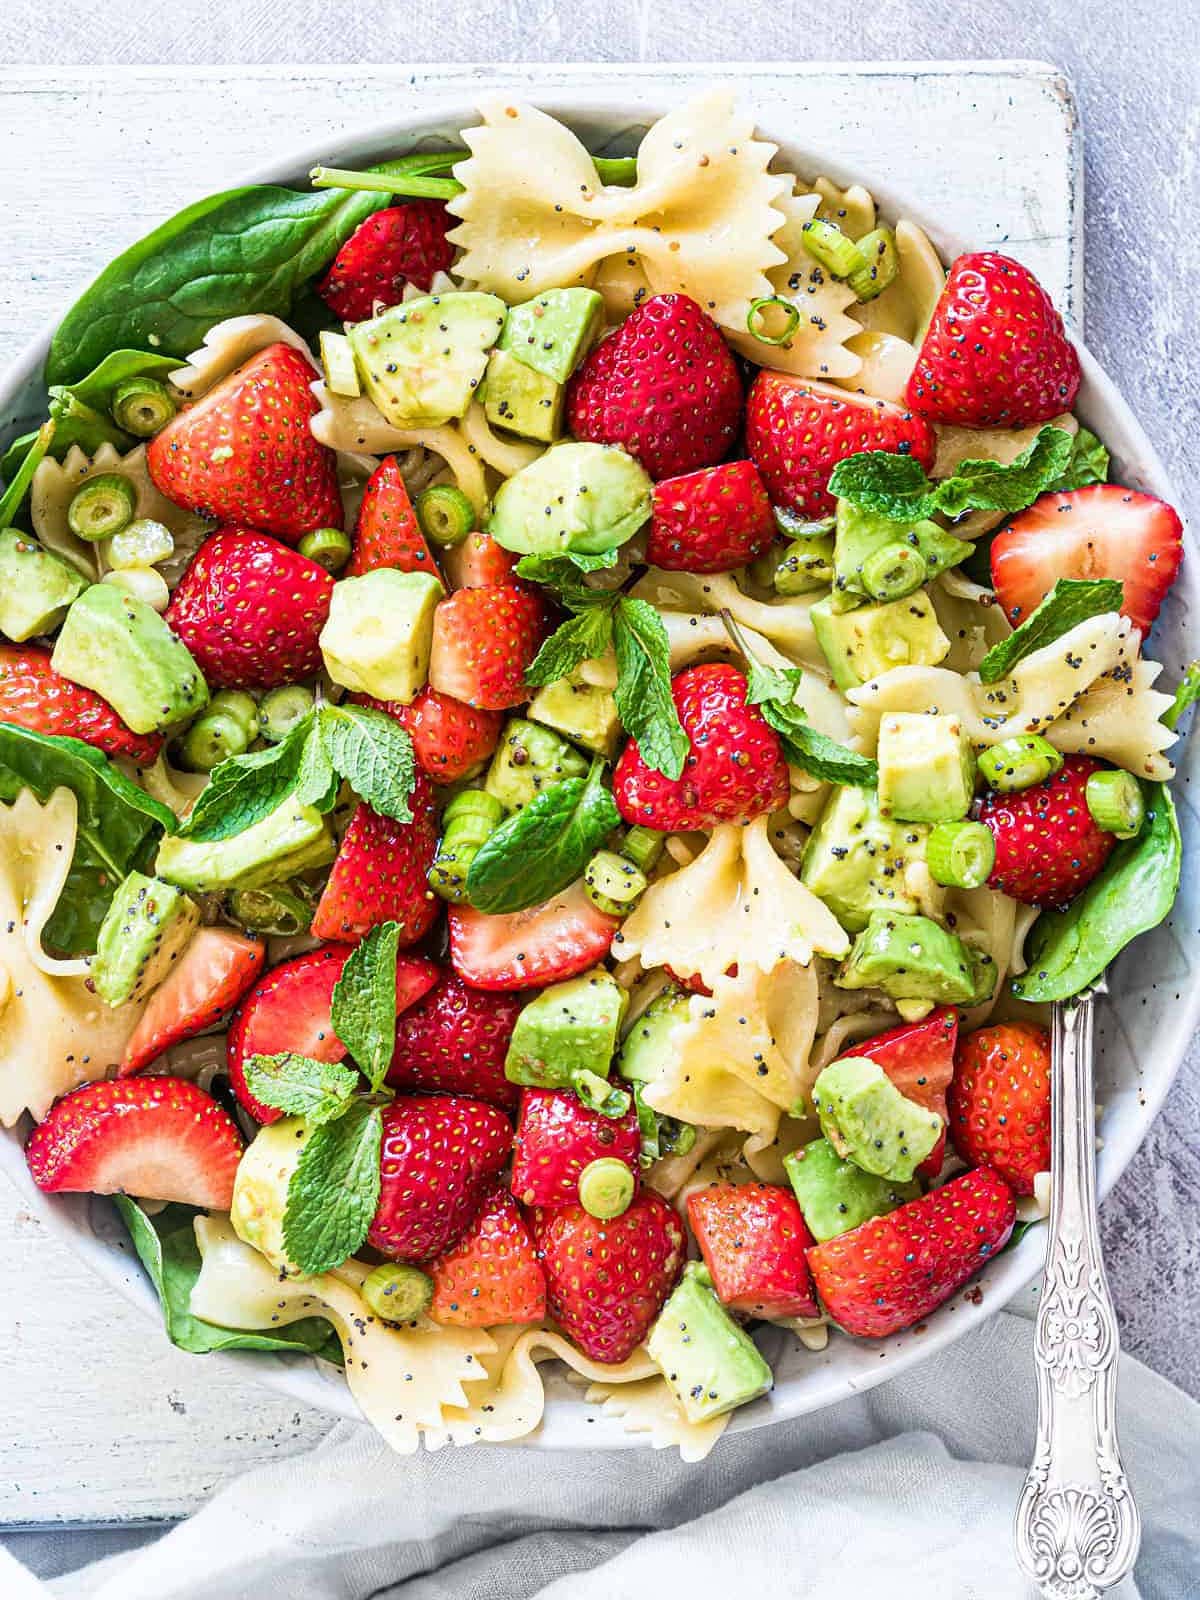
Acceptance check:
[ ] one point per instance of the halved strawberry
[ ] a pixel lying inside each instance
(753, 1238)
(454, 1041)
(1102, 531)
(557, 1136)
(492, 1276)
(891, 1271)
(1000, 1101)
(290, 1008)
(797, 430)
(245, 452)
(157, 1138)
(387, 533)
(381, 874)
(710, 521)
(526, 949)
(483, 640)
(1048, 845)
(209, 979)
(34, 696)
(919, 1059)
(478, 562)
(399, 245)
(449, 738)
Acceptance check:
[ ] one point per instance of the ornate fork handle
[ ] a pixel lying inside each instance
(1077, 1526)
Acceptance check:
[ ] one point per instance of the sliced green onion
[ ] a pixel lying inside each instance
(1116, 803)
(395, 1293)
(1020, 762)
(470, 818)
(143, 584)
(282, 709)
(211, 739)
(806, 564)
(239, 705)
(277, 910)
(597, 1094)
(101, 507)
(445, 514)
(643, 846)
(142, 543)
(775, 304)
(960, 855)
(833, 249)
(606, 1188)
(882, 263)
(328, 547)
(616, 171)
(142, 406)
(613, 883)
(894, 571)
(418, 186)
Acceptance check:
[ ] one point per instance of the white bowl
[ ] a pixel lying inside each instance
(1144, 1025)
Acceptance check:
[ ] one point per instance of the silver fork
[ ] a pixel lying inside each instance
(1077, 1525)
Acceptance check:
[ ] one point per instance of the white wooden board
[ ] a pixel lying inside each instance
(102, 1420)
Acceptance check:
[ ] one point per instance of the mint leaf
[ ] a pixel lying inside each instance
(364, 1002)
(816, 753)
(892, 486)
(334, 1191)
(317, 1090)
(991, 486)
(1186, 695)
(1070, 602)
(247, 788)
(565, 573)
(580, 638)
(374, 754)
(643, 692)
(1088, 463)
(763, 683)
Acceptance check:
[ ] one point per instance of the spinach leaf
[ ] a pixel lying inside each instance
(1070, 602)
(18, 485)
(545, 847)
(241, 251)
(1070, 949)
(74, 925)
(166, 1246)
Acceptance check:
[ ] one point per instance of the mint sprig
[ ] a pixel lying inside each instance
(319, 1091)
(334, 1191)
(373, 753)
(1088, 463)
(364, 1002)
(1070, 602)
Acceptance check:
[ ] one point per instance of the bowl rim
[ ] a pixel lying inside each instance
(563, 1427)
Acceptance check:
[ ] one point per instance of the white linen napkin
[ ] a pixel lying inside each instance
(905, 1492)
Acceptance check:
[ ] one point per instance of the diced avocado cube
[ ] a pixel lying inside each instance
(711, 1364)
(855, 859)
(587, 498)
(36, 586)
(836, 1195)
(554, 331)
(585, 712)
(293, 838)
(421, 361)
(861, 534)
(337, 358)
(912, 958)
(568, 1029)
(145, 930)
(522, 400)
(926, 767)
(862, 643)
(868, 1121)
(529, 759)
(379, 634)
(122, 648)
(648, 1040)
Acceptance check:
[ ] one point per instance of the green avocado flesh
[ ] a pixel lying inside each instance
(147, 928)
(122, 649)
(421, 361)
(379, 634)
(585, 713)
(926, 767)
(868, 1121)
(36, 587)
(293, 838)
(586, 498)
(835, 1195)
(568, 1029)
(912, 958)
(855, 859)
(862, 643)
(552, 333)
(711, 1364)
(528, 760)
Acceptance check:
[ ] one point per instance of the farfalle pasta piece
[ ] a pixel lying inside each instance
(987, 921)
(787, 623)
(229, 345)
(969, 616)
(852, 210)
(54, 1032)
(699, 220)
(885, 365)
(648, 1406)
(403, 1377)
(905, 307)
(736, 904)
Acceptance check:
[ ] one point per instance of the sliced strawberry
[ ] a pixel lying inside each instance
(891, 1271)
(797, 430)
(995, 354)
(710, 521)
(439, 1155)
(381, 874)
(396, 246)
(251, 611)
(387, 533)
(607, 1281)
(1048, 846)
(492, 1276)
(753, 1238)
(454, 1041)
(664, 387)
(157, 1138)
(478, 562)
(290, 1009)
(245, 452)
(526, 949)
(734, 770)
(483, 641)
(1000, 1101)
(557, 1137)
(209, 979)
(919, 1059)
(450, 739)
(1102, 531)
(34, 696)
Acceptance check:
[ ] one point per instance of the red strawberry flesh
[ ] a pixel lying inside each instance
(381, 874)
(557, 1136)
(397, 246)
(209, 979)
(34, 696)
(1000, 1101)
(715, 520)
(753, 1239)
(526, 949)
(1048, 846)
(492, 1276)
(454, 1041)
